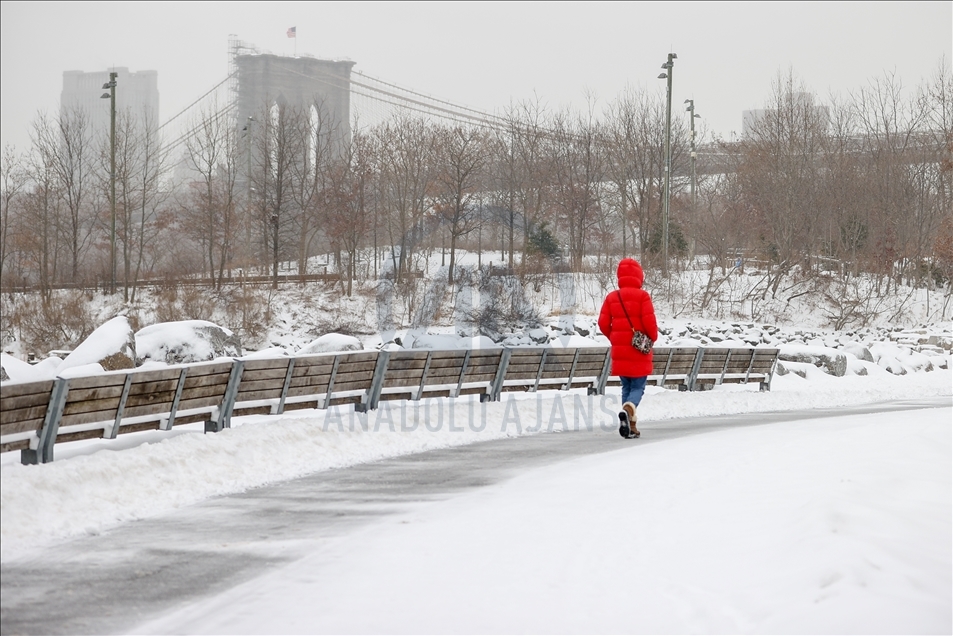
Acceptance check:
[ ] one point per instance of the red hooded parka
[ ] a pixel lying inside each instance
(626, 361)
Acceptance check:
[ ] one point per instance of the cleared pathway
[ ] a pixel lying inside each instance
(114, 581)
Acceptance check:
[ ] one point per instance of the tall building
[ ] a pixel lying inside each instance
(136, 93)
(803, 103)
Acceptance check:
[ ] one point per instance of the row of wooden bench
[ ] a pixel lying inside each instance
(36, 415)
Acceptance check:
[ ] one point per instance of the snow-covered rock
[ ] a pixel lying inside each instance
(538, 335)
(112, 346)
(186, 341)
(568, 342)
(857, 350)
(830, 360)
(332, 343)
(435, 341)
(16, 370)
(265, 354)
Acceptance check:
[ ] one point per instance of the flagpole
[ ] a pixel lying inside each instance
(293, 34)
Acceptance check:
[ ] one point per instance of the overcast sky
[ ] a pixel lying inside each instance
(484, 55)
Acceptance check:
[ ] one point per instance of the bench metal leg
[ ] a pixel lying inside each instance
(51, 424)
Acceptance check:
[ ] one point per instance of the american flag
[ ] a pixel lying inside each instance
(292, 32)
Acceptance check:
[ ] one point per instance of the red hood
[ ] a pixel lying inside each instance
(630, 273)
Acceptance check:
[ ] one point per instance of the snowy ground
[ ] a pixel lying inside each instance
(820, 526)
(826, 525)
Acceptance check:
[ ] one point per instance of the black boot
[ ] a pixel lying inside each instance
(623, 424)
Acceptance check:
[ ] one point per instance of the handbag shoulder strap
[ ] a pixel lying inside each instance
(622, 302)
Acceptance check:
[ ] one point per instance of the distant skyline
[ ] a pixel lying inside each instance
(485, 55)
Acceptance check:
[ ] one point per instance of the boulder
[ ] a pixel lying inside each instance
(538, 335)
(801, 369)
(112, 346)
(186, 341)
(829, 360)
(16, 370)
(858, 350)
(332, 343)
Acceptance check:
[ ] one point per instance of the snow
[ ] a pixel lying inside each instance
(332, 342)
(107, 339)
(834, 525)
(847, 531)
(184, 338)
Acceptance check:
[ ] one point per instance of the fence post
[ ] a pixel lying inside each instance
(766, 386)
(572, 370)
(51, 424)
(334, 372)
(497, 387)
(724, 369)
(167, 424)
(373, 394)
(754, 351)
(287, 385)
(668, 365)
(228, 400)
(600, 388)
(690, 380)
(539, 374)
(463, 372)
(122, 407)
(423, 376)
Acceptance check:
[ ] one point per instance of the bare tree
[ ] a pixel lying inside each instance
(888, 127)
(13, 180)
(350, 197)
(278, 146)
(636, 140)
(779, 174)
(151, 200)
(406, 147)
(579, 168)
(532, 172)
(140, 166)
(312, 178)
(214, 157)
(73, 162)
(41, 212)
(462, 157)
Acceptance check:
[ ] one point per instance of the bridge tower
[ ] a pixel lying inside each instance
(302, 82)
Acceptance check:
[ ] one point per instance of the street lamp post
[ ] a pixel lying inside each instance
(694, 155)
(111, 95)
(666, 197)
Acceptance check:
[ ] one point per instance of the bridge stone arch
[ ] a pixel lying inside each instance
(300, 82)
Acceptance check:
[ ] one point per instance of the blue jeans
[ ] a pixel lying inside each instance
(632, 389)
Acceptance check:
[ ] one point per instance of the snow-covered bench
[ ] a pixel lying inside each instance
(734, 365)
(36, 415)
(701, 368)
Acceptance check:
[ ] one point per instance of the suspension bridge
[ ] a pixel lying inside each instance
(371, 101)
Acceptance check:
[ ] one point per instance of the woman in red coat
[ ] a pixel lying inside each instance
(624, 311)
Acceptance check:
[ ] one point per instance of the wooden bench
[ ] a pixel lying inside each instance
(25, 408)
(672, 367)
(701, 368)
(735, 365)
(36, 415)
(104, 405)
(523, 367)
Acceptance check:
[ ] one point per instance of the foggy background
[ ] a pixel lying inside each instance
(484, 55)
